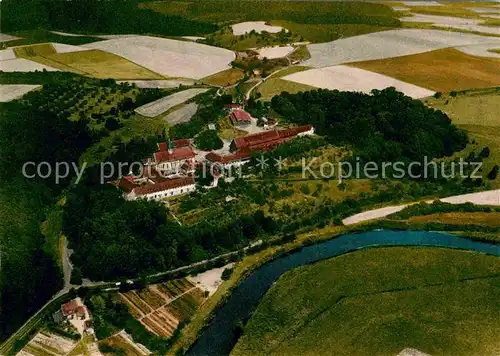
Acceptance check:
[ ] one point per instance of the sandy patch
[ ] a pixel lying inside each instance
(23, 65)
(275, 52)
(10, 92)
(346, 78)
(209, 280)
(169, 57)
(388, 44)
(481, 50)
(259, 26)
(159, 83)
(160, 106)
(7, 38)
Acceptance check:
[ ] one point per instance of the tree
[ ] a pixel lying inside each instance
(493, 173)
(485, 152)
(226, 274)
(208, 140)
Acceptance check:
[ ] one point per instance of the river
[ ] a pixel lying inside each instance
(218, 338)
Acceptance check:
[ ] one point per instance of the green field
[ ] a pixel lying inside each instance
(43, 36)
(274, 86)
(379, 302)
(314, 21)
(476, 111)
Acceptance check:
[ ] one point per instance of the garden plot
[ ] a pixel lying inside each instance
(7, 38)
(162, 105)
(258, 26)
(388, 44)
(181, 115)
(275, 52)
(49, 344)
(23, 65)
(159, 83)
(10, 92)
(346, 78)
(453, 22)
(169, 57)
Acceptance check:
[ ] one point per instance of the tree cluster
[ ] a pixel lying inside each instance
(384, 126)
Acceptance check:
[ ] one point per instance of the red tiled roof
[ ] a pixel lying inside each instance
(183, 142)
(69, 308)
(165, 185)
(214, 157)
(162, 146)
(178, 154)
(269, 138)
(126, 185)
(241, 115)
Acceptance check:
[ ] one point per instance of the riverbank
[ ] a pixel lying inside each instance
(252, 262)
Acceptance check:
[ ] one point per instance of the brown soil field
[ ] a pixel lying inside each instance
(474, 218)
(443, 70)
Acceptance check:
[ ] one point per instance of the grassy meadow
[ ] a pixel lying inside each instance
(476, 111)
(457, 218)
(276, 85)
(378, 302)
(443, 70)
(42, 36)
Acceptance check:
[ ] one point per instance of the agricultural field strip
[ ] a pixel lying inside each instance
(174, 83)
(275, 51)
(388, 44)
(162, 105)
(481, 50)
(258, 26)
(169, 57)
(491, 197)
(453, 22)
(346, 78)
(23, 65)
(10, 92)
(181, 115)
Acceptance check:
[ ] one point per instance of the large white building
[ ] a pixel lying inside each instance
(168, 188)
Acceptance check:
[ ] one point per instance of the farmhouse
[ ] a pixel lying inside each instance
(174, 157)
(240, 117)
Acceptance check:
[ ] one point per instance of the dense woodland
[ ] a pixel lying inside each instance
(94, 16)
(386, 126)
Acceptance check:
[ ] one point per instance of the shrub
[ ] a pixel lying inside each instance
(226, 274)
(493, 173)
